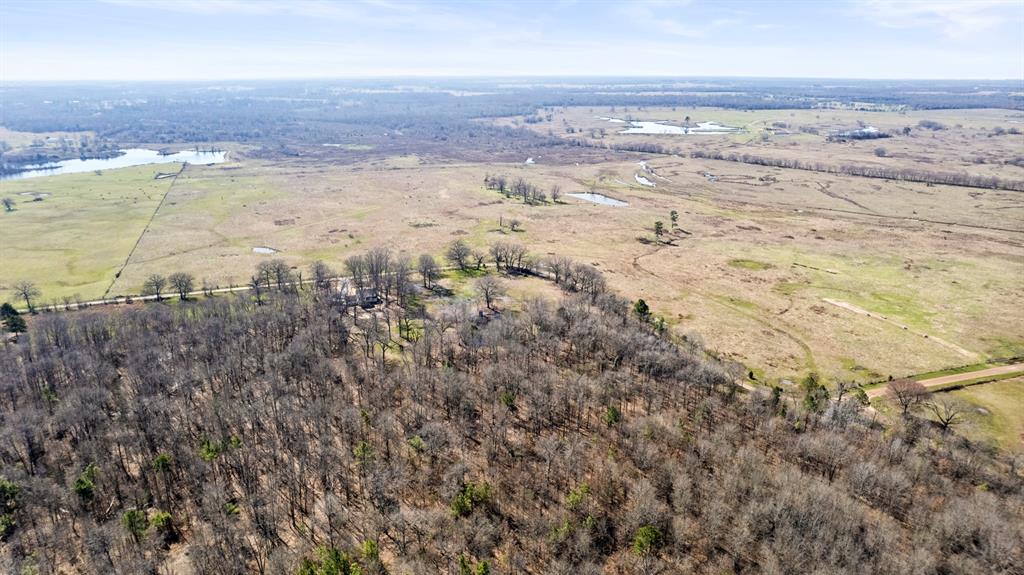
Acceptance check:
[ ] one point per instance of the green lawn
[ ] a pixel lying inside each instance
(76, 238)
(749, 264)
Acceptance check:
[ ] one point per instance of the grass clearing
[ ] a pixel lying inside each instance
(996, 414)
(749, 264)
(75, 239)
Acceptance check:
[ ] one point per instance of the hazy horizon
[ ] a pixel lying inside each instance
(232, 40)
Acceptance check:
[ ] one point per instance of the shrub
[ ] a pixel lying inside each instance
(612, 415)
(648, 539)
(85, 485)
(469, 498)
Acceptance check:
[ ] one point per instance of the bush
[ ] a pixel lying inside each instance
(8, 504)
(931, 125)
(612, 415)
(648, 539)
(469, 498)
(85, 485)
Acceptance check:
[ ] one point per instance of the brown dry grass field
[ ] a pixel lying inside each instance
(967, 144)
(758, 251)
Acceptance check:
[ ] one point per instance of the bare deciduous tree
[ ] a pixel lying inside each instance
(947, 411)
(154, 286)
(27, 291)
(428, 270)
(907, 393)
(458, 254)
(321, 274)
(490, 288)
(183, 283)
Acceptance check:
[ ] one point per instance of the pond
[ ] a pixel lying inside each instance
(600, 199)
(642, 180)
(128, 158)
(649, 127)
(264, 250)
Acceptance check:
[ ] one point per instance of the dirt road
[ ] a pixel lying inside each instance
(861, 311)
(958, 377)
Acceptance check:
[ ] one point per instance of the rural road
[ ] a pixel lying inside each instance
(861, 311)
(958, 377)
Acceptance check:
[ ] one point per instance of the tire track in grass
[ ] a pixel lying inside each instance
(861, 311)
(138, 240)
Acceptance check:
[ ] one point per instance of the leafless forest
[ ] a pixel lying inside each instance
(282, 432)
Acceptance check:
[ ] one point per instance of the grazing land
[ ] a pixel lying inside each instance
(996, 416)
(72, 233)
(786, 271)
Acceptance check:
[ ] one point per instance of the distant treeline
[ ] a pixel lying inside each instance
(441, 112)
(882, 172)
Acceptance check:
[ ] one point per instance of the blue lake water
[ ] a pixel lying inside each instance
(130, 157)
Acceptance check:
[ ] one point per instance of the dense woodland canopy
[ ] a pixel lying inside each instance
(285, 433)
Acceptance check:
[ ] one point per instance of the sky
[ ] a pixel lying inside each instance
(85, 40)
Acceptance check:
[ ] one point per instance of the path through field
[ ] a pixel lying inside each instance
(861, 311)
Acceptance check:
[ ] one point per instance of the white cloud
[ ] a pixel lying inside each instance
(955, 19)
(661, 16)
(377, 13)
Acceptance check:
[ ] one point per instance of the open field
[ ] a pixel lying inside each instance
(785, 271)
(996, 414)
(18, 140)
(968, 141)
(78, 235)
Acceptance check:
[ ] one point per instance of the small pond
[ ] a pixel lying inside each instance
(648, 127)
(600, 199)
(642, 180)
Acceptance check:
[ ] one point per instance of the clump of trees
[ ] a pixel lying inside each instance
(11, 319)
(385, 275)
(511, 256)
(520, 188)
(574, 276)
(460, 255)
